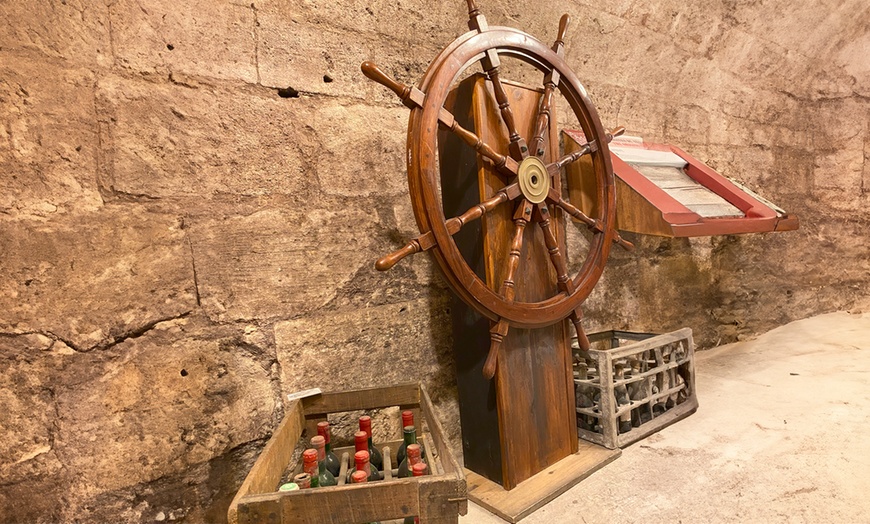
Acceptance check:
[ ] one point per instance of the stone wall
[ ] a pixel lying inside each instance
(194, 193)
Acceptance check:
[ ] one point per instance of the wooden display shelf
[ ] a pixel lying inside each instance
(644, 207)
(533, 493)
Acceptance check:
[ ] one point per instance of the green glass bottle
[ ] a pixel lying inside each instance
(324, 477)
(332, 462)
(375, 457)
(309, 467)
(418, 470)
(408, 420)
(412, 456)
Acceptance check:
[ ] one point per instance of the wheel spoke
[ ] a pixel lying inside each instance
(582, 339)
(562, 280)
(413, 98)
(551, 81)
(591, 223)
(496, 336)
(588, 147)
(521, 217)
(503, 163)
(517, 146)
(426, 241)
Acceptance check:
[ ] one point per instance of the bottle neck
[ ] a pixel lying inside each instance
(410, 437)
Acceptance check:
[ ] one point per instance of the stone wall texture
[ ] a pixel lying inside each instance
(193, 195)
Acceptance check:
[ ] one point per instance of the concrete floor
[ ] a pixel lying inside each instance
(782, 435)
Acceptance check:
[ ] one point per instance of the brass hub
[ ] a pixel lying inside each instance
(533, 179)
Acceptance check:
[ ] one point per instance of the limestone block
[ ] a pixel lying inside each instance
(96, 278)
(74, 30)
(167, 141)
(201, 38)
(49, 147)
(314, 58)
(28, 420)
(362, 150)
(159, 404)
(366, 347)
(278, 262)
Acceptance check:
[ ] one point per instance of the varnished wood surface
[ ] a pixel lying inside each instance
(530, 495)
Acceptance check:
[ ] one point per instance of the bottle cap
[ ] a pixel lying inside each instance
(413, 451)
(319, 444)
(409, 429)
(407, 418)
(361, 440)
(302, 480)
(358, 476)
(290, 486)
(309, 455)
(419, 469)
(323, 430)
(365, 424)
(361, 458)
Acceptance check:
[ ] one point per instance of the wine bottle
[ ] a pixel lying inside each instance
(363, 463)
(309, 465)
(408, 420)
(332, 462)
(375, 457)
(324, 477)
(583, 399)
(358, 477)
(412, 456)
(361, 443)
(303, 480)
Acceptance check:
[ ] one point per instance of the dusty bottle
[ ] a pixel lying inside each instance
(361, 443)
(408, 420)
(303, 480)
(361, 459)
(309, 465)
(324, 477)
(412, 456)
(365, 424)
(358, 477)
(332, 462)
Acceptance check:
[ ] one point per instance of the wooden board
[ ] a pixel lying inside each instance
(533, 493)
(642, 206)
(525, 420)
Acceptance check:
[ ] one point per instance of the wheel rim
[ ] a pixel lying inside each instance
(423, 176)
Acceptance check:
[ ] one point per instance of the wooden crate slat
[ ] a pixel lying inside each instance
(267, 471)
(360, 399)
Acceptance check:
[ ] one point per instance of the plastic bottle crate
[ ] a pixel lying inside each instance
(438, 497)
(631, 391)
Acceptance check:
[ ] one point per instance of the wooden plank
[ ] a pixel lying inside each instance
(270, 465)
(367, 502)
(370, 398)
(451, 465)
(540, 489)
(535, 402)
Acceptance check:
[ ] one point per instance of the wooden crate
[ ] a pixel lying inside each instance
(660, 389)
(437, 498)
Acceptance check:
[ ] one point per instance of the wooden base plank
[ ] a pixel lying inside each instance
(531, 494)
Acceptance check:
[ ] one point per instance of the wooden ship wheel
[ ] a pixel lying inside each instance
(530, 184)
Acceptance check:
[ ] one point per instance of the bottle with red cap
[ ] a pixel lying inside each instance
(361, 443)
(358, 477)
(412, 457)
(324, 477)
(309, 466)
(375, 457)
(332, 462)
(419, 470)
(408, 420)
(361, 458)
